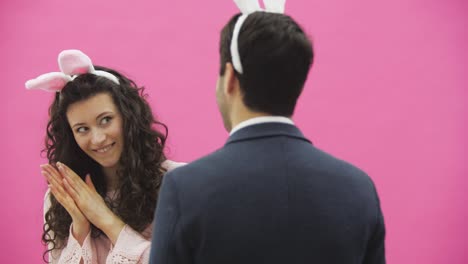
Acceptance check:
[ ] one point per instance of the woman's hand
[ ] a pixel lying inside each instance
(80, 225)
(91, 203)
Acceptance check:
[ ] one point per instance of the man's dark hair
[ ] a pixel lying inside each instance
(276, 56)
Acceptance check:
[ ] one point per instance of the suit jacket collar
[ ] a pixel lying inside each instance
(266, 130)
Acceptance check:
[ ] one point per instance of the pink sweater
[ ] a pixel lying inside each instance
(130, 247)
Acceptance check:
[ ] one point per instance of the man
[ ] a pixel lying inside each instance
(268, 195)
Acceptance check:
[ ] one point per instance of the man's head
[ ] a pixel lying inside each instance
(276, 56)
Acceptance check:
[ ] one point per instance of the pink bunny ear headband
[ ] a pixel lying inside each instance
(72, 63)
(248, 7)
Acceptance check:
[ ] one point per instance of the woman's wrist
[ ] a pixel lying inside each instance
(112, 226)
(80, 231)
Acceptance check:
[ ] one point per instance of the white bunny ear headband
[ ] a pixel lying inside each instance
(248, 7)
(72, 63)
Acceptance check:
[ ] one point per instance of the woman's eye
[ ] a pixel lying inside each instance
(81, 129)
(106, 120)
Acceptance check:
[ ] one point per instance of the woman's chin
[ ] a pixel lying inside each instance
(108, 164)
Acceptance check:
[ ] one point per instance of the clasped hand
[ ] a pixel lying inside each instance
(82, 202)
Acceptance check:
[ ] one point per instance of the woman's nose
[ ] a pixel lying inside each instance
(98, 137)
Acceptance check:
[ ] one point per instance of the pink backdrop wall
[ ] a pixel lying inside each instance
(388, 92)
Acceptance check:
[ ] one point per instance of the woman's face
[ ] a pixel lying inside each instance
(97, 127)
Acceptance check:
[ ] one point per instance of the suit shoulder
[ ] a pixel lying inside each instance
(336, 166)
(195, 167)
(170, 164)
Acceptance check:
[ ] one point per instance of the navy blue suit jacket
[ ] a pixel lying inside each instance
(268, 196)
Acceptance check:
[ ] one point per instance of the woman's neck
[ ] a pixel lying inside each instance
(112, 180)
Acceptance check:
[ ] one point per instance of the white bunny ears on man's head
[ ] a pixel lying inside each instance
(248, 7)
(72, 63)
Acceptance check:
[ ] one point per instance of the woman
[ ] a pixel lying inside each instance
(106, 163)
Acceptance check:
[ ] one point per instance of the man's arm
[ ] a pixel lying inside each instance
(166, 240)
(376, 247)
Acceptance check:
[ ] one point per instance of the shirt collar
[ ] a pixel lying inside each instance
(260, 120)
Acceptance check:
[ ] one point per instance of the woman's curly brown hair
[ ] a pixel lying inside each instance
(141, 171)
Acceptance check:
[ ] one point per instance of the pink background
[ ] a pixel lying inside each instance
(388, 93)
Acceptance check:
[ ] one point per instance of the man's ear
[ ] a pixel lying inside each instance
(231, 83)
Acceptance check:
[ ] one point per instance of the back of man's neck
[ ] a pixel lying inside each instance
(236, 120)
(258, 119)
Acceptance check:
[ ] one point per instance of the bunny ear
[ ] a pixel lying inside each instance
(275, 6)
(75, 62)
(51, 82)
(248, 6)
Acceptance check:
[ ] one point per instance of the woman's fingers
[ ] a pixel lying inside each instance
(75, 186)
(63, 198)
(82, 193)
(53, 176)
(73, 178)
(53, 182)
(58, 195)
(60, 188)
(89, 182)
(57, 189)
(51, 171)
(62, 191)
(71, 190)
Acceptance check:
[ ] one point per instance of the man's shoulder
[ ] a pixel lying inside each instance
(343, 171)
(201, 162)
(170, 164)
(197, 169)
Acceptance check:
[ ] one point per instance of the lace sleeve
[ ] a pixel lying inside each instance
(72, 252)
(131, 247)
